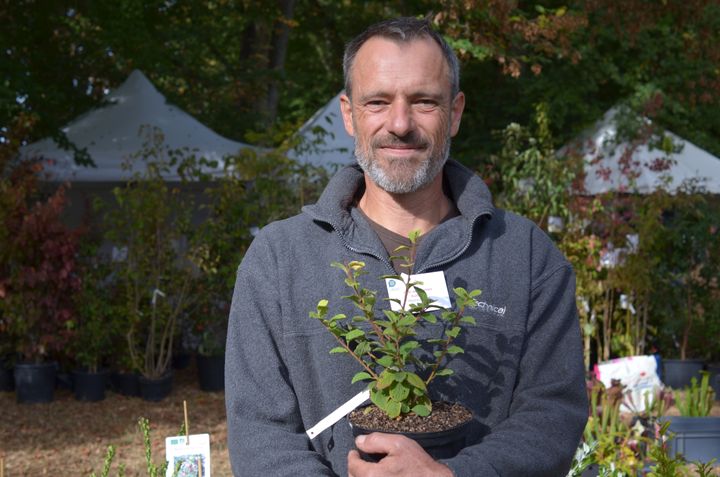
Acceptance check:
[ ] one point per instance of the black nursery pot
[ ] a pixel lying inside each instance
(156, 389)
(678, 373)
(35, 382)
(439, 445)
(7, 379)
(211, 372)
(89, 386)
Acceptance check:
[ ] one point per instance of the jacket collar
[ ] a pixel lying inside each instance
(335, 207)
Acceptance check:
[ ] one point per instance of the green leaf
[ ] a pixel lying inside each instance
(423, 295)
(421, 410)
(399, 392)
(386, 379)
(393, 409)
(444, 372)
(429, 317)
(452, 350)
(468, 319)
(453, 332)
(354, 334)
(416, 381)
(338, 349)
(408, 320)
(362, 375)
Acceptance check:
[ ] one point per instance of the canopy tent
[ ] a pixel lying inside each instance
(323, 139)
(607, 159)
(113, 133)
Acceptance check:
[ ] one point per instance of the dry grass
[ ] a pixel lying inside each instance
(70, 438)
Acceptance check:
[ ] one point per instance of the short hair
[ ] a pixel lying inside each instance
(403, 29)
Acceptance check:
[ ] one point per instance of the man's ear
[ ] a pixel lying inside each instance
(346, 110)
(456, 111)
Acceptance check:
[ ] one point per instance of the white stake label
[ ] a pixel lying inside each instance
(338, 414)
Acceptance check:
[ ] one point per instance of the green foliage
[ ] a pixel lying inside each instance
(388, 350)
(255, 189)
(532, 180)
(98, 319)
(107, 464)
(697, 400)
(153, 469)
(151, 220)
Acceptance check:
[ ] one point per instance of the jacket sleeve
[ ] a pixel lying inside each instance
(549, 406)
(265, 432)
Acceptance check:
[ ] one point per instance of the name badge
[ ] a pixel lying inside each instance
(432, 283)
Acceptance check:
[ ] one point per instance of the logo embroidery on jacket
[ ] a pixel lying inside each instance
(497, 310)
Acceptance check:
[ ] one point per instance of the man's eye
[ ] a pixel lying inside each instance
(376, 103)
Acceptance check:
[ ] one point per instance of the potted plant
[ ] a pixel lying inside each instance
(393, 362)
(94, 328)
(38, 280)
(149, 223)
(696, 433)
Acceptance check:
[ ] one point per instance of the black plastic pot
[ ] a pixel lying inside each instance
(89, 386)
(211, 372)
(127, 384)
(156, 389)
(696, 438)
(7, 379)
(439, 445)
(35, 382)
(677, 373)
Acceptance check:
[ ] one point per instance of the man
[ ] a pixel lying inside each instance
(521, 373)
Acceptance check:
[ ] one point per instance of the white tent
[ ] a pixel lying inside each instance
(323, 139)
(603, 156)
(114, 132)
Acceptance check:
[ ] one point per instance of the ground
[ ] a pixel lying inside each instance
(40, 439)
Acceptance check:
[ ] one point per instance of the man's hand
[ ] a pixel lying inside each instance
(404, 457)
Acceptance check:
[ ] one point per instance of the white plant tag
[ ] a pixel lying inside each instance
(191, 458)
(432, 283)
(338, 414)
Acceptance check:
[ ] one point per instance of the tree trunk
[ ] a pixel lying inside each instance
(281, 34)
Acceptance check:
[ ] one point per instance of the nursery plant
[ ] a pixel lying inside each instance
(697, 400)
(149, 223)
(385, 345)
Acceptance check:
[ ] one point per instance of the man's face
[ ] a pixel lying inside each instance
(402, 114)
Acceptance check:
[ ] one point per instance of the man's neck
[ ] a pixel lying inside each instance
(402, 213)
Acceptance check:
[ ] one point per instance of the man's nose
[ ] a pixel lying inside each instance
(400, 120)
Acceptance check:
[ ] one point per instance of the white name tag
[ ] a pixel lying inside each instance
(432, 283)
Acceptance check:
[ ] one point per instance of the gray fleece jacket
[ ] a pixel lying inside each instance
(521, 374)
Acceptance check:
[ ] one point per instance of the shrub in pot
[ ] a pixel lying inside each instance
(397, 371)
(149, 222)
(38, 281)
(94, 328)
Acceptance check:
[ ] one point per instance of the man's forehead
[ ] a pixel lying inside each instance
(388, 59)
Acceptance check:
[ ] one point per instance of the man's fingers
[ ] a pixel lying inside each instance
(381, 443)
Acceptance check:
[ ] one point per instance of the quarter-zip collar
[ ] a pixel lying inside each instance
(469, 193)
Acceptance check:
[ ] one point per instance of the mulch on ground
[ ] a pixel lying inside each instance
(70, 438)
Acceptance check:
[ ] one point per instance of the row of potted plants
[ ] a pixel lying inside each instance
(647, 265)
(150, 268)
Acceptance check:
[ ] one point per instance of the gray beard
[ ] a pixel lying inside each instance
(424, 175)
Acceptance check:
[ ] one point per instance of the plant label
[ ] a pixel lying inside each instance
(338, 414)
(190, 457)
(432, 283)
